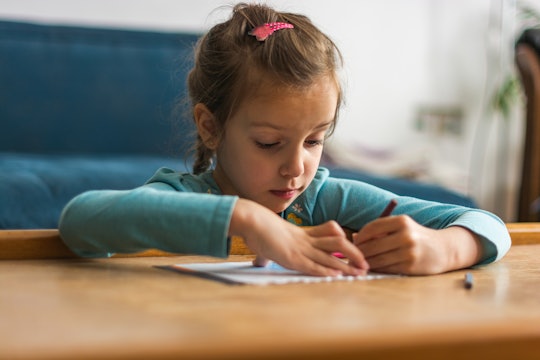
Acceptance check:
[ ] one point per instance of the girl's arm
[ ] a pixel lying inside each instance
(422, 237)
(101, 223)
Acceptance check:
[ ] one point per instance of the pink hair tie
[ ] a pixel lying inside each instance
(265, 30)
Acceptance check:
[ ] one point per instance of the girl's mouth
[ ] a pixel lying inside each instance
(285, 194)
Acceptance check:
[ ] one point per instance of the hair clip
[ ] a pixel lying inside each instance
(262, 32)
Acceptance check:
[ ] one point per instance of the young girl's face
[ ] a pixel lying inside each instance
(272, 146)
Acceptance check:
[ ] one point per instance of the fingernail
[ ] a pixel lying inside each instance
(259, 263)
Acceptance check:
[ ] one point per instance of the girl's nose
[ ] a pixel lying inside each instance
(293, 164)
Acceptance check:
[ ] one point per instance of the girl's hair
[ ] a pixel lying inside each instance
(230, 64)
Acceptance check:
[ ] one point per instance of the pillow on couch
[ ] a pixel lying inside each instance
(35, 188)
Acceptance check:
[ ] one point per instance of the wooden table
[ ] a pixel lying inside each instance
(127, 308)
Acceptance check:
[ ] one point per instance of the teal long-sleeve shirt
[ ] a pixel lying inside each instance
(186, 213)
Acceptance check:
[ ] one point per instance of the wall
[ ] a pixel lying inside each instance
(400, 56)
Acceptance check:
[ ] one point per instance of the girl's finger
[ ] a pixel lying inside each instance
(393, 258)
(381, 245)
(260, 261)
(329, 228)
(331, 266)
(379, 227)
(329, 245)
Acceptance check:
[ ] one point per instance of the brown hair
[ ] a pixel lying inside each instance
(229, 64)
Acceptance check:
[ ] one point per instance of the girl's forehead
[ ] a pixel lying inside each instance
(267, 89)
(285, 106)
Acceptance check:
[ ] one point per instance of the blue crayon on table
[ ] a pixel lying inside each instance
(468, 281)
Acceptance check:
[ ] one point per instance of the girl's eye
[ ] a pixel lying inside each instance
(265, 146)
(313, 143)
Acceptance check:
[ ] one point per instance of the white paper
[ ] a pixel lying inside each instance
(245, 273)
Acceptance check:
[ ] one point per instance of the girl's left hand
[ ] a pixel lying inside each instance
(398, 244)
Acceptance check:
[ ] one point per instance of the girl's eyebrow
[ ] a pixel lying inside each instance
(326, 124)
(277, 127)
(266, 124)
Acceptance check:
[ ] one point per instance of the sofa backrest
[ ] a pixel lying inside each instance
(66, 89)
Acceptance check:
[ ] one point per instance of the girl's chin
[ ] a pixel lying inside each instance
(275, 206)
(280, 208)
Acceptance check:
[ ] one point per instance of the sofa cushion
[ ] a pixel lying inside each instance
(92, 90)
(35, 188)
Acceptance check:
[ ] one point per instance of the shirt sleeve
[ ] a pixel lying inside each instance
(153, 216)
(353, 204)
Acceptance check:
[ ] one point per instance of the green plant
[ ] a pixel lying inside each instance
(529, 16)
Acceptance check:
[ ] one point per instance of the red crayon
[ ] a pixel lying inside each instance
(389, 208)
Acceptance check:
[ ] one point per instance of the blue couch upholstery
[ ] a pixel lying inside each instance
(95, 108)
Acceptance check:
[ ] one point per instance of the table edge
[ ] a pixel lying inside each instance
(26, 244)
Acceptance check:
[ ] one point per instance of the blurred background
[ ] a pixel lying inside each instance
(420, 77)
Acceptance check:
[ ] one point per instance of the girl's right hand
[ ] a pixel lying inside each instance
(308, 250)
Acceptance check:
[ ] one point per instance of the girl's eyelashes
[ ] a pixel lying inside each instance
(309, 143)
(265, 145)
(314, 143)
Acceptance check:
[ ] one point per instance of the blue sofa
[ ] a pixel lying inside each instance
(93, 108)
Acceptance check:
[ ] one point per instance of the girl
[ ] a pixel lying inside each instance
(265, 96)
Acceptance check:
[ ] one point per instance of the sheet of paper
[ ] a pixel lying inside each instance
(246, 273)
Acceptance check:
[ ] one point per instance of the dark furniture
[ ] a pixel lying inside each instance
(528, 64)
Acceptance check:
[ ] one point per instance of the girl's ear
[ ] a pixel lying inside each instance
(206, 125)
